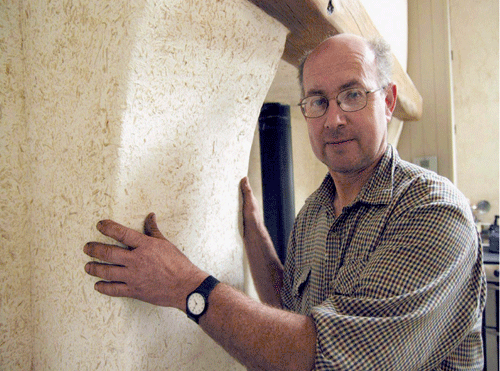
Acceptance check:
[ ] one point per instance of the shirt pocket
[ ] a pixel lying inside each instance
(301, 291)
(300, 281)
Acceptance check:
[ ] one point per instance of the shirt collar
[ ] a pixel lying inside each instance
(378, 189)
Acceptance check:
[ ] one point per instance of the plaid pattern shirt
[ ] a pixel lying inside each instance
(396, 281)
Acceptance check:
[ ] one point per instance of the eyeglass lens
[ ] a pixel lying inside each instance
(349, 100)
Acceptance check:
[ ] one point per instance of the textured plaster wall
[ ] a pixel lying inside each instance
(15, 284)
(113, 109)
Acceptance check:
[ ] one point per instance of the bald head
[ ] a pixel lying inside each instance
(374, 52)
(342, 42)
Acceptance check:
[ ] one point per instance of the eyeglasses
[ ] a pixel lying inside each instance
(349, 100)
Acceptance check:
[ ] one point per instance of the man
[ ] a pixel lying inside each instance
(384, 266)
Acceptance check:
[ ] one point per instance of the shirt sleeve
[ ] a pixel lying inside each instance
(415, 301)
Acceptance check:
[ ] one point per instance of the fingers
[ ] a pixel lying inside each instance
(115, 279)
(151, 228)
(108, 272)
(120, 233)
(117, 289)
(152, 271)
(106, 253)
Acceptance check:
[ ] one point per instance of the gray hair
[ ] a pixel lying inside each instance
(383, 61)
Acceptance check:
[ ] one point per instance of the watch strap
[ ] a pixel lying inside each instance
(204, 289)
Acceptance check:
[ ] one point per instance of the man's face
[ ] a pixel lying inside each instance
(347, 142)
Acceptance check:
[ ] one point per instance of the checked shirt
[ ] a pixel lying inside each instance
(396, 281)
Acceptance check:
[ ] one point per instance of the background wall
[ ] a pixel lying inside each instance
(453, 61)
(429, 65)
(113, 109)
(475, 63)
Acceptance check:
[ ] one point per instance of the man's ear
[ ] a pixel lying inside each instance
(390, 100)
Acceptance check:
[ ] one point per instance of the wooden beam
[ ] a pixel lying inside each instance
(312, 21)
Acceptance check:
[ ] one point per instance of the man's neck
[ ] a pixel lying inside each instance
(348, 185)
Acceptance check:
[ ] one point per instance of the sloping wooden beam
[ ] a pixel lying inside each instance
(312, 21)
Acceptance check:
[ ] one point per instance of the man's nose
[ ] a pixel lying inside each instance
(334, 116)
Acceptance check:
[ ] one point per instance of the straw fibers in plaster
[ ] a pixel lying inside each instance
(15, 288)
(130, 107)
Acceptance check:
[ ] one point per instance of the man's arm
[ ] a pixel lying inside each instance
(155, 271)
(265, 265)
(259, 336)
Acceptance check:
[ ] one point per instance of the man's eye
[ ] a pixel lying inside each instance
(353, 95)
(318, 102)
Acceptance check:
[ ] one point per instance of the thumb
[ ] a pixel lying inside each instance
(246, 190)
(151, 228)
(251, 211)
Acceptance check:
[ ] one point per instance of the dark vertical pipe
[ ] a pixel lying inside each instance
(277, 173)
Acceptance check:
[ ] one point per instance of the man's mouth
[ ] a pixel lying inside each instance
(338, 142)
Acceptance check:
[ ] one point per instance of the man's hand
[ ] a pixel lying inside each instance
(152, 269)
(266, 268)
(254, 229)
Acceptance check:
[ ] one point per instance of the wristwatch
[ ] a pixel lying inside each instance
(197, 301)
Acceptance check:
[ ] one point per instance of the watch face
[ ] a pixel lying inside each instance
(196, 303)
